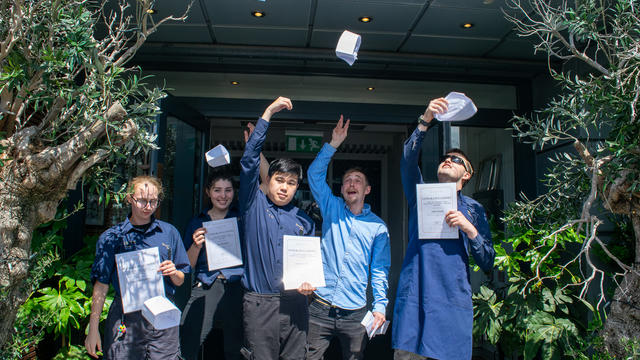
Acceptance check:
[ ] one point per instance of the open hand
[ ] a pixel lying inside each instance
(339, 132)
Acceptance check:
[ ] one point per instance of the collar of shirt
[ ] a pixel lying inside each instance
(128, 227)
(366, 209)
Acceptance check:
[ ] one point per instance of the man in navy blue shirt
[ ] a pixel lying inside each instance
(433, 313)
(275, 321)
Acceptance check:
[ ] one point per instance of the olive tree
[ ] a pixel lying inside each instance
(594, 52)
(68, 104)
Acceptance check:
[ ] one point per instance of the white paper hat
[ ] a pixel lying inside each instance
(460, 108)
(217, 156)
(161, 313)
(348, 46)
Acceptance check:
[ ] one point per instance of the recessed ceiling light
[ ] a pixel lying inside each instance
(371, 88)
(365, 19)
(151, 11)
(258, 13)
(467, 25)
(235, 82)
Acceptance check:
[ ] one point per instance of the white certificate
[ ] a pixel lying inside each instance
(139, 277)
(302, 261)
(434, 201)
(222, 242)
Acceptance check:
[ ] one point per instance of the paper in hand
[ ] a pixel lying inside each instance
(460, 108)
(138, 277)
(348, 46)
(368, 321)
(218, 156)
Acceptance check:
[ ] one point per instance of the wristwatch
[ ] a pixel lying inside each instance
(429, 125)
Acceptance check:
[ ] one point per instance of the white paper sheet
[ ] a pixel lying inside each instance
(368, 321)
(434, 201)
(302, 261)
(222, 242)
(348, 46)
(217, 156)
(460, 108)
(161, 313)
(139, 278)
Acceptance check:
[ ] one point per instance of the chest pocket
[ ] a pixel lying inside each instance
(129, 241)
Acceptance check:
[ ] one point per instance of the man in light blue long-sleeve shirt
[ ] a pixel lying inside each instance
(355, 243)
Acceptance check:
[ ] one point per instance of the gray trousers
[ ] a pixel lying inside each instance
(326, 322)
(406, 355)
(218, 305)
(275, 326)
(140, 341)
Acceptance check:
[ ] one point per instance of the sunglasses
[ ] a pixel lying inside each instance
(456, 160)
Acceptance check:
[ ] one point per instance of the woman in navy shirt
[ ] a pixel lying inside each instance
(216, 296)
(130, 336)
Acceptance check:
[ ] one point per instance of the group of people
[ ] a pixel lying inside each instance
(433, 313)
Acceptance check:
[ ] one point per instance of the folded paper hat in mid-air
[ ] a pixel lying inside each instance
(460, 108)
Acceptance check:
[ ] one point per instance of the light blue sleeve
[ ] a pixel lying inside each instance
(380, 263)
(317, 174)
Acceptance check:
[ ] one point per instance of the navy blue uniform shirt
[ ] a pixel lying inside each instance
(124, 237)
(264, 223)
(202, 267)
(433, 312)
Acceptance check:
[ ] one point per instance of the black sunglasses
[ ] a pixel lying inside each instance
(456, 160)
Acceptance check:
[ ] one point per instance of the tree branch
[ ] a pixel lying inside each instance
(15, 18)
(66, 154)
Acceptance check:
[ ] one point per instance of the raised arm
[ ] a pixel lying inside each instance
(317, 172)
(250, 161)
(409, 169)
(264, 163)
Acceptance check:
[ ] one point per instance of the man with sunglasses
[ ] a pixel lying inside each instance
(433, 314)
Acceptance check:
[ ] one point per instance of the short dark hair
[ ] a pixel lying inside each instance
(287, 166)
(357, 169)
(459, 151)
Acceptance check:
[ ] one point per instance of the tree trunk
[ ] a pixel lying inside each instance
(18, 219)
(623, 323)
(33, 181)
